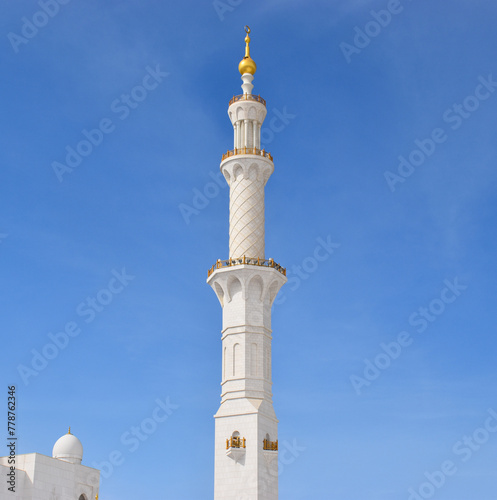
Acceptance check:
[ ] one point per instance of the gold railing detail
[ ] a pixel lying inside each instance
(252, 261)
(270, 445)
(247, 97)
(235, 442)
(248, 151)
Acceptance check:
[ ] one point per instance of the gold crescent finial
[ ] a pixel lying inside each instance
(247, 64)
(247, 41)
(69, 431)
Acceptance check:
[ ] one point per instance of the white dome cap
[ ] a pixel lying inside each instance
(68, 448)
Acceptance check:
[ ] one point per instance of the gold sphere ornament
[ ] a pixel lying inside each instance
(247, 64)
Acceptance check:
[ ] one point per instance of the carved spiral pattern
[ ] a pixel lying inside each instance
(246, 218)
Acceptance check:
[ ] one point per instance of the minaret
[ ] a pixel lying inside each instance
(246, 428)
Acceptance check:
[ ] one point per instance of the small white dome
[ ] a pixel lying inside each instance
(68, 448)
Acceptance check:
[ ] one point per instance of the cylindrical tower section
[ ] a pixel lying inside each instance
(247, 112)
(247, 170)
(247, 214)
(247, 175)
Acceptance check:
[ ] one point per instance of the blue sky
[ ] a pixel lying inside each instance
(383, 351)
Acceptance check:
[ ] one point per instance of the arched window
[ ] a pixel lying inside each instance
(237, 359)
(236, 441)
(82, 497)
(253, 360)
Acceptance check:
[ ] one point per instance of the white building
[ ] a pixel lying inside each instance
(60, 477)
(246, 428)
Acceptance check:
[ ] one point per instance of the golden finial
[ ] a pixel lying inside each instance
(96, 496)
(247, 64)
(69, 431)
(247, 41)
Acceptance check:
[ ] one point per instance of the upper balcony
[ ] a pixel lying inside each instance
(247, 97)
(247, 151)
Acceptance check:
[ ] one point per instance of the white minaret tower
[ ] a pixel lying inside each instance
(246, 428)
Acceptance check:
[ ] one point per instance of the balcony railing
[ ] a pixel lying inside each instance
(247, 97)
(235, 442)
(270, 445)
(247, 151)
(252, 261)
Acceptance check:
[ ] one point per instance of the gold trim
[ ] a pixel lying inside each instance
(252, 261)
(270, 445)
(247, 151)
(247, 97)
(235, 442)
